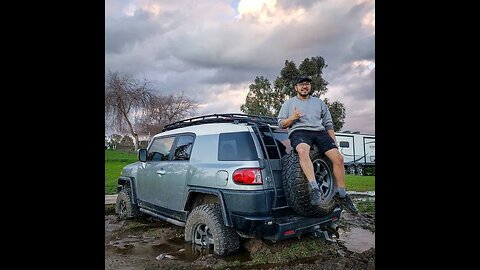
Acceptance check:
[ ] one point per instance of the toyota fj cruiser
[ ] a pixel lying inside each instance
(225, 176)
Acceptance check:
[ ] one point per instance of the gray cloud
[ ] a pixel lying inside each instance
(364, 48)
(289, 4)
(123, 33)
(200, 48)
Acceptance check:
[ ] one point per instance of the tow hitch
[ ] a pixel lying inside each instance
(329, 233)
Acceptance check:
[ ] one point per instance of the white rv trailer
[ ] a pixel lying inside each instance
(358, 151)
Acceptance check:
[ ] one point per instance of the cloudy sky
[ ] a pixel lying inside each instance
(212, 50)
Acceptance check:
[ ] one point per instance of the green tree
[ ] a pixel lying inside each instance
(262, 100)
(285, 83)
(313, 68)
(337, 110)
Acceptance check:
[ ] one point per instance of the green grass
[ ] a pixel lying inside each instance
(367, 207)
(116, 160)
(359, 183)
(269, 257)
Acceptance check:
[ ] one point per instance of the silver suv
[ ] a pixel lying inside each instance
(224, 176)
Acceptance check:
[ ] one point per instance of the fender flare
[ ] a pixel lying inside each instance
(216, 192)
(124, 179)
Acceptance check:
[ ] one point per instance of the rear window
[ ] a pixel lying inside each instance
(237, 146)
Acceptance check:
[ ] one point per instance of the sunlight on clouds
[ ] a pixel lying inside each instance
(235, 96)
(259, 9)
(152, 8)
(266, 12)
(363, 67)
(255, 6)
(369, 19)
(129, 10)
(226, 98)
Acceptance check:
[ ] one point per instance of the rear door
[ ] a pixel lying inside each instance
(346, 147)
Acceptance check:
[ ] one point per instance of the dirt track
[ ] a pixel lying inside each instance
(147, 243)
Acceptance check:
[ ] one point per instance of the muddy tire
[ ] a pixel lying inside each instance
(205, 227)
(297, 189)
(124, 207)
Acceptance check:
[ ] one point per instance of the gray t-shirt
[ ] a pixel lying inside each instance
(316, 114)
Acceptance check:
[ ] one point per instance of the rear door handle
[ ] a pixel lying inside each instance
(161, 171)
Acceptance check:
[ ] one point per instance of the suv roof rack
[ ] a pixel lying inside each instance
(223, 118)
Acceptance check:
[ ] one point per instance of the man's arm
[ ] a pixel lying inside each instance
(327, 122)
(331, 133)
(286, 122)
(289, 121)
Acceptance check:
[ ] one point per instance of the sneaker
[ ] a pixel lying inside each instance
(315, 196)
(347, 203)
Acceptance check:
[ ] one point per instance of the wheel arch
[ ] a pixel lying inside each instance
(128, 181)
(198, 196)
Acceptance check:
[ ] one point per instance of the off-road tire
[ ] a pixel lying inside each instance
(297, 188)
(124, 207)
(225, 239)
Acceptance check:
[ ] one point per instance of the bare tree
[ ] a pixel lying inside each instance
(164, 110)
(126, 99)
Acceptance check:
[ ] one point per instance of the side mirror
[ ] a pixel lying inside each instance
(142, 155)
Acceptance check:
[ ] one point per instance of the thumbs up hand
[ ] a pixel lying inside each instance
(296, 114)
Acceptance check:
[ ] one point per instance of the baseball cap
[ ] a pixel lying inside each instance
(303, 79)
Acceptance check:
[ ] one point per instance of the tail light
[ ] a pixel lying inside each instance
(250, 176)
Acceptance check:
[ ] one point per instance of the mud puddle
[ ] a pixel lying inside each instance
(357, 233)
(357, 239)
(147, 243)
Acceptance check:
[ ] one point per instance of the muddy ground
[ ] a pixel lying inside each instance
(148, 243)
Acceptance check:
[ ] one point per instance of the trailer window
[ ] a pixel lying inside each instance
(344, 144)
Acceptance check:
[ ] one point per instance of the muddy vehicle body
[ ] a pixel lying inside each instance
(226, 176)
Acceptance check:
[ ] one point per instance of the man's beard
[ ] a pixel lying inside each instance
(303, 95)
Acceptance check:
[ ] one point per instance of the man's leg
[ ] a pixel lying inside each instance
(303, 151)
(306, 164)
(339, 173)
(338, 167)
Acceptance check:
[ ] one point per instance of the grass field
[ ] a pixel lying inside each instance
(116, 160)
(359, 183)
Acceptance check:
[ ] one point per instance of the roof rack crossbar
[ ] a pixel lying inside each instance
(222, 118)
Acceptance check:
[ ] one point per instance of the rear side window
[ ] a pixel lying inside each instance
(237, 146)
(183, 148)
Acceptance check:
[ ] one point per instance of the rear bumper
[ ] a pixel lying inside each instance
(282, 228)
